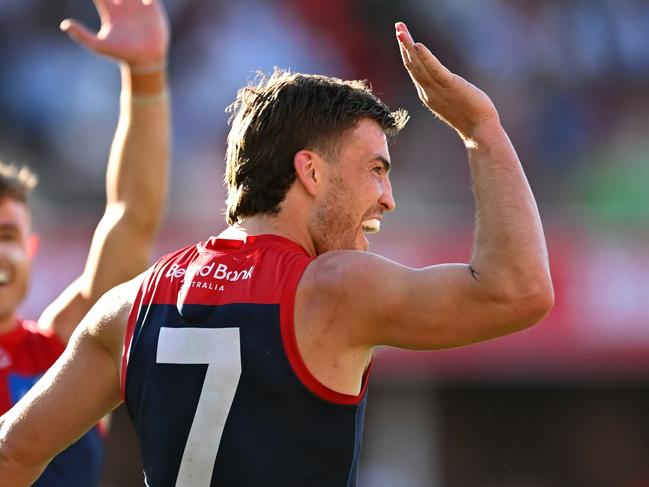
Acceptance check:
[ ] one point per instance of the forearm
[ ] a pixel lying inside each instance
(136, 181)
(13, 474)
(137, 169)
(80, 388)
(509, 253)
(135, 34)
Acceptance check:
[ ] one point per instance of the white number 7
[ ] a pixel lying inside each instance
(218, 348)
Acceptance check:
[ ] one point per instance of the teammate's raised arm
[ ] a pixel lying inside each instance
(135, 34)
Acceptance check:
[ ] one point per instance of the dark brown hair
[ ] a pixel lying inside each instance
(16, 182)
(282, 114)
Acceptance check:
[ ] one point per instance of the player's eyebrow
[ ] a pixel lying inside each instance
(386, 163)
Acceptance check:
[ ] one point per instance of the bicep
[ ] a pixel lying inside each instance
(435, 307)
(119, 251)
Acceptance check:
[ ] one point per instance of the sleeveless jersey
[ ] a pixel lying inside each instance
(26, 353)
(213, 379)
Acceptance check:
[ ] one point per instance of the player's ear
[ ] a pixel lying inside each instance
(33, 243)
(308, 169)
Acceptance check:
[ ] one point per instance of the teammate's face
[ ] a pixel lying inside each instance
(356, 191)
(16, 248)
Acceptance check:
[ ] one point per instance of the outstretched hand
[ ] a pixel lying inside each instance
(132, 31)
(453, 99)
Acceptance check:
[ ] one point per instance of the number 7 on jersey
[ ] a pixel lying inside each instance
(220, 349)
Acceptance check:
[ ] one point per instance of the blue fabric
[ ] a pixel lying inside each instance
(77, 466)
(277, 432)
(80, 464)
(19, 385)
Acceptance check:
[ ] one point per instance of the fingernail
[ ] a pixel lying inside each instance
(65, 25)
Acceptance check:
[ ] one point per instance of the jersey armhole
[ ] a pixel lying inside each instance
(128, 336)
(145, 295)
(287, 326)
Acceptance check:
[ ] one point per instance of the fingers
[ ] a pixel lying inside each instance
(436, 69)
(102, 9)
(80, 33)
(406, 46)
(404, 35)
(419, 61)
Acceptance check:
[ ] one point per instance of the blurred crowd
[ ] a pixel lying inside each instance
(570, 78)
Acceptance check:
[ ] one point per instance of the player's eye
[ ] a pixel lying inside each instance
(8, 236)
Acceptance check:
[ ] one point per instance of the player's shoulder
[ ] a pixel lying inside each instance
(346, 271)
(355, 289)
(168, 266)
(184, 253)
(107, 320)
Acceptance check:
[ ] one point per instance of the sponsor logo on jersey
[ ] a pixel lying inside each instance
(207, 285)
(219, 272)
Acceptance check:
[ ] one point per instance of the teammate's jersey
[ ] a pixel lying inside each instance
(26, 353)
(213, 379)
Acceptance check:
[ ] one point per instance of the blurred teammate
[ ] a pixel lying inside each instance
(246, 357)
(135, 35)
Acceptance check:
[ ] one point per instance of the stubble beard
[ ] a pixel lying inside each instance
(333, 226)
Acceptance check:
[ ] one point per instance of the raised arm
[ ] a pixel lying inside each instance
(135, 34)
(75, 393)
(505, 287)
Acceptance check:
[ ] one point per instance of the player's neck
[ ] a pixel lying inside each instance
(276, 225)
(291, 222)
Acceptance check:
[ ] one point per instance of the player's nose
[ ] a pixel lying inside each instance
(387, 198)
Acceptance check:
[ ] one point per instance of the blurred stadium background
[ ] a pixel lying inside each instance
(563, 404)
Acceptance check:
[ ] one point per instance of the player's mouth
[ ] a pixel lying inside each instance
(371, 225)
(5, 277)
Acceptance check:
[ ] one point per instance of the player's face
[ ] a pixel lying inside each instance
(357, 191)
(15, 255)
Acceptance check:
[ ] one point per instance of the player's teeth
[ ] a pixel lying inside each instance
(372, 226)
(4, 277)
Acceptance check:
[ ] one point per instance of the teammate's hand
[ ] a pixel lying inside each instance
(135, 32)
(453, 99)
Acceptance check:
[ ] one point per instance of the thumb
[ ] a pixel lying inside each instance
(80, 34)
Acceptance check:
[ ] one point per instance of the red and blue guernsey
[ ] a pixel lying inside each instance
(26, 353)
(213, 379)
